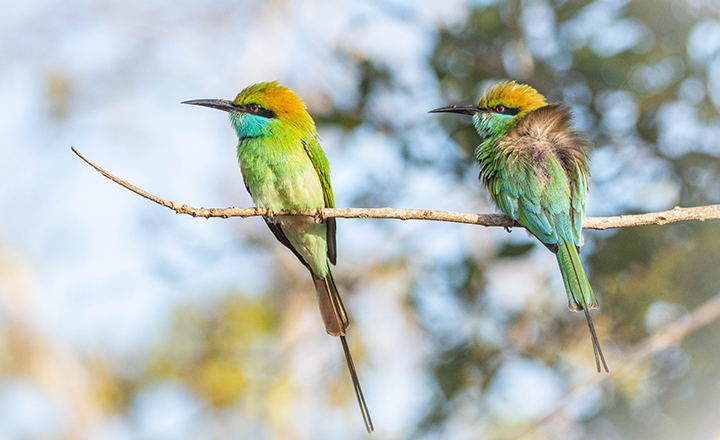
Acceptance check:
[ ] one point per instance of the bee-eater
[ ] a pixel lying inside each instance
(535, 167)
(284, 168)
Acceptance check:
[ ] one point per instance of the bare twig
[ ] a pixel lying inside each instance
(699, 213)
(672, 334)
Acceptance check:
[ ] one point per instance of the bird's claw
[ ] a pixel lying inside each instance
(269, 215)
(319, 216)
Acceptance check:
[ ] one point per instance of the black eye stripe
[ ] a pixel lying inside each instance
(258, 110)
(510, 111)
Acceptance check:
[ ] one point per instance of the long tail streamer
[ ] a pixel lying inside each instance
(593, 335)
(356, 385)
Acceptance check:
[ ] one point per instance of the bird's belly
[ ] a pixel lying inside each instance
(309, 239)
(291, 185)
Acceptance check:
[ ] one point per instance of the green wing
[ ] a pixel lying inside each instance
(537, 174)
(541, 198)
(322, 167)
(577, 195)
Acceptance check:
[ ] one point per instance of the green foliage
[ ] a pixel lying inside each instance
(633, 268)
(432, 303)
(512, 250)
(214, 351)
(619, 96)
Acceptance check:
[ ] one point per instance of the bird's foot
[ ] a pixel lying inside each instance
(319, 216)
(269, 215)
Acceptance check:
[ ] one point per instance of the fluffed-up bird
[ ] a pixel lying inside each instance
(535, 166)
(284, 168)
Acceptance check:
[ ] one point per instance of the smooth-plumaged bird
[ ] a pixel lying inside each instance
(535, 167)
(284, 168)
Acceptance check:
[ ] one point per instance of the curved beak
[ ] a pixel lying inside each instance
(220, 104)
(461, 109)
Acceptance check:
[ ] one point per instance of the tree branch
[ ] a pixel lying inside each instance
(699, 213)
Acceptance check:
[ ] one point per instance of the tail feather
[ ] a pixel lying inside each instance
(356, 385)
(336, 323)
(580, 294)
(596, 344)
(331, 307)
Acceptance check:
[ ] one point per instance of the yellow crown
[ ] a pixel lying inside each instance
(512, 95)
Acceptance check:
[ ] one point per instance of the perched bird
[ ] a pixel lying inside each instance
(284, 168)
(535, 167)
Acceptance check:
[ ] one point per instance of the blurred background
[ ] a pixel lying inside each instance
(120, 320)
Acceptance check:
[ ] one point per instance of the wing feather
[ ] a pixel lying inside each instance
(322, 167)
(542, 179)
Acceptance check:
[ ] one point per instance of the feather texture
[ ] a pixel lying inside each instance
(535, 167)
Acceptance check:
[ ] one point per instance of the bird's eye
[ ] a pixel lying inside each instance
(500, 108)
(253, 107)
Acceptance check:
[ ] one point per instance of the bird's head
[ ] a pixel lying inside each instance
(260, 108)
(500, 107)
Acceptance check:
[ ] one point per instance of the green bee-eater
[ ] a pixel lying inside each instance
(284, 168)
(535, 167)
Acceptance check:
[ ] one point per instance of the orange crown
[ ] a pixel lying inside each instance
(284, 102)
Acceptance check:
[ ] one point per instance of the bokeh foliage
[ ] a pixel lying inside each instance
(621, 66)
(481, 328)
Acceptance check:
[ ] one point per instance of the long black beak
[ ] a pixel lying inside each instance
(461, 109)
(220, 104)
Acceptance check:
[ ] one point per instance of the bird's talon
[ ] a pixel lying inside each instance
(319, 216)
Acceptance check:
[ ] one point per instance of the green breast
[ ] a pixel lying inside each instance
(279, 174)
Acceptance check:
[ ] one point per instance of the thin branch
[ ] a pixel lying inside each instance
(699, 213)
(672, 334)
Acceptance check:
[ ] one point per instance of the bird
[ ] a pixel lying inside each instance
(284, 168)
(536, 169)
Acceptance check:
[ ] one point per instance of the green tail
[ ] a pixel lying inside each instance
(580, 294)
